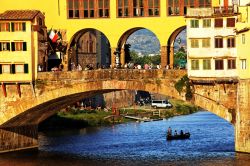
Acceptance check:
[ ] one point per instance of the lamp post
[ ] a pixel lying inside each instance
(117, 58)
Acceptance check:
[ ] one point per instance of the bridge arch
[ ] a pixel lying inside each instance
(121, 45)
(88, 46)
(170, 46)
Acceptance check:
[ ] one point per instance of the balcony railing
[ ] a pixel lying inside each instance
(215, 11)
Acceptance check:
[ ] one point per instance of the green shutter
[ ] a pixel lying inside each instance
(0, 46)
(24, 26)
(0, 69)
(24, 46)
(13, 69)
(26, 68)
(12, 46)
(8, 46)
(12, 27)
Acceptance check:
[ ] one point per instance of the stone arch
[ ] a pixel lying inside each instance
(89, 46)
(170, 47)
(122, 41)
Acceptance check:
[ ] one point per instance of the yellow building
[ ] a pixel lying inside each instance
(21, 49)
(116, 19)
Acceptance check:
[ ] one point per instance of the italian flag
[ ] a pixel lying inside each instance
(53, 36)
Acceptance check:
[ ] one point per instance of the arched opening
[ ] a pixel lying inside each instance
(139, 46)
(89, 49)
(176, 49)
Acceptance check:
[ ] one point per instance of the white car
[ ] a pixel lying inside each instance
(161, 104)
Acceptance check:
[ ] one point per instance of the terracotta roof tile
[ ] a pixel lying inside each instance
(19, 14)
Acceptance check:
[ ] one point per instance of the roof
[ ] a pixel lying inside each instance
(19, 14)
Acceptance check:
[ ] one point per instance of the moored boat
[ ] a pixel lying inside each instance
(179, 136)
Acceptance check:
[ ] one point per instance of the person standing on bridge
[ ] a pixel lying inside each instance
(169, 131)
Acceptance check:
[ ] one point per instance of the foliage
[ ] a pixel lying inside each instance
(184, 82)
(136, 59)
(180, 59)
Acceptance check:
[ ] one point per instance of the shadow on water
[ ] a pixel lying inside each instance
(211, 144)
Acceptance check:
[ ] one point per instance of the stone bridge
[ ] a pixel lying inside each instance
(24, 106)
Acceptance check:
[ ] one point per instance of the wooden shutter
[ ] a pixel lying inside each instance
(8, 46)
(24, 26)
(0, 69)
(26, 68)
(13, 46)
(12, 27)
(230, 22)
(24, 46)
(13, 69)
(0, 46)
(218, 22)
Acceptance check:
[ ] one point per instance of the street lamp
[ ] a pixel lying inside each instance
(117, 58)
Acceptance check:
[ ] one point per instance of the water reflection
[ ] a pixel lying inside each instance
(211, 143)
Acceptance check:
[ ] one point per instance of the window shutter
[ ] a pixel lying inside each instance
(13, 69)
(12, 27)
(24, 26)
(0, 69)
(8, 46)
(12, 46)
(26, 68)
(0, 46)
(24, 46)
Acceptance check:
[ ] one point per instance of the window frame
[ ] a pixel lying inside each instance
(195, 64)
(231, 42)
(218, 22)
(219, 64)
(218, 42)
(206, 43)
(9, 70)
(194, 43)
(231, 64)
(206, 23)
(243, 64)
(206, 64)
(194, 23)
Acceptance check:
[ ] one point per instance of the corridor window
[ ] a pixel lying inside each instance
(194, 23)
(204, 3)
(153, 7)
(138, 8)
(194, 43)
(88, 8)
(219, 64)
(206, 43)
(218, 42)
(206, 23)
(4, 27)
(206, 64)
(103, 8)
(173, 7)
(218, 23)
(231, 64)
(195, 64)
(123, 8)
(231, 42)
(4, 46)
(243, 64)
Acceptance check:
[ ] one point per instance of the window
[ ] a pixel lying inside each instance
(103, 8)
(243, 64)
(205, 43)
(218, 42)
(194, 23)
(153, 7)
(231, 42)
(219, 65)
(231, 64)
(204, 3)
(194, 43)
(4, 46)
(18, 46)
(243, 39)
(5, 68)
(18, 26)
(173, 7)
(88, 8)
(218, 23)
(4, 27)
(138, 8)
(206, 23)
(206, 64)
(194, 64)
(123, 8)
(230, 22)
(19, 68)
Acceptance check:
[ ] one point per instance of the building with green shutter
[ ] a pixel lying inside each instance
(23, 48)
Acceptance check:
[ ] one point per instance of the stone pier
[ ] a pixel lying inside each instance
(18, 138)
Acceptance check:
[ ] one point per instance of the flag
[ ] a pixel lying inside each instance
(53, 36)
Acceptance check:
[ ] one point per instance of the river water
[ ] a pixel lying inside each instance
(211, 143)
